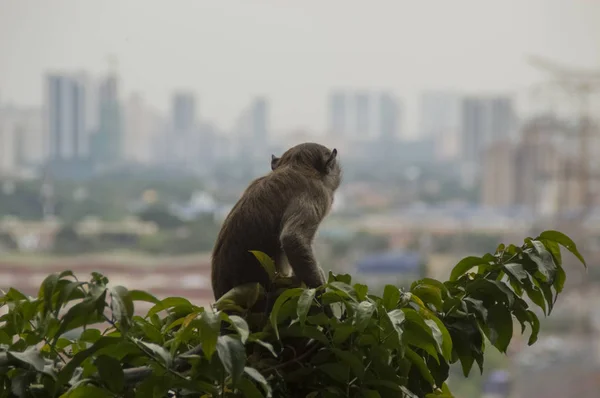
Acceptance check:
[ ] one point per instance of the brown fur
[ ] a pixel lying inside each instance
(278, 214)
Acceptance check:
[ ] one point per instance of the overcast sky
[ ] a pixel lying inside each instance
(293, 52)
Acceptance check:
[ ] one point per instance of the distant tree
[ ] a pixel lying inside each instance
(161, 216)
(68, 241)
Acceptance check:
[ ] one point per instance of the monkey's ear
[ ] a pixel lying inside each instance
(274, 160)
(331, 158)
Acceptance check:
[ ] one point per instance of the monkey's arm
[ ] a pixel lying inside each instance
(299, 227)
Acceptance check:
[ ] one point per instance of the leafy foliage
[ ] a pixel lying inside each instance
(400, 344)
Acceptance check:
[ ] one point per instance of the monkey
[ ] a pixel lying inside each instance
(278, 214)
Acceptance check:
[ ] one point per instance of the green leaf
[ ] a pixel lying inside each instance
(150, 331)
(80, 314)
(536, 295)
(361, 291)
(543, 260)
(240, 297)
(356, 363)
(90, 335)
(304, 303)
(408, 393)
(392, 385)
(516, 270)
(554, 248)
(417, 337)
(363, 315)
(259, 378)
(391, 296)
(266, 345)
(248, 388)
(420, 364)
(547, 292)
(110, 372)
(12, 295)
(344, 288)
(31, 356)
(240, 325)
(559, 280)
(121, 305)
(5, 338)
(477, 307)
(319, 319)
(397, 318)
(491, 290)
(140, 295)
(295, 330)
(345, 278)
(429, 294)
(535, 327)
(366, 393)
(442, 336)
(209, 332)
(467, 341)
(499, 328)
(87, 391)
(286, 295)
(341, 333)
(69, 292)
(168, 303)
(267, 263)
(159, 353)
(465, 265)
(65, 373)
(564, 241)
(232, 353)
(47, 291)
(338, 371)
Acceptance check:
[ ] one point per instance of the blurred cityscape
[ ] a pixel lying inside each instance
(100, 179)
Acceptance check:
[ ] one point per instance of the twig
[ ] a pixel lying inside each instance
(297, 359)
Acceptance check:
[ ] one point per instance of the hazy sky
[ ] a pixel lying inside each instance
(293, 52)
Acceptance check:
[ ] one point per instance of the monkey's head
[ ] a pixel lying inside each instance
(315, 158)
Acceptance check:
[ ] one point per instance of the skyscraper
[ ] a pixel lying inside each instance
(184, 112)
(21, 139)
(388, 117)
(66, 117)
(485, 120)
(338, 114)
(141, 126)
(108, 140)
(363, 113)
(8, 161)
(259, 112)
(440, 121)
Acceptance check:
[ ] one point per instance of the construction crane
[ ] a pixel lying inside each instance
(581, 84)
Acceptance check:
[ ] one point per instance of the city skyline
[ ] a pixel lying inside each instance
(292, 56)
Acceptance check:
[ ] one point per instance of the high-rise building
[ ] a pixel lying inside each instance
(338, 114)
(440, 121)
(21, 137)
(363, 115)
(8, 158)
(108, 140)
(184, 112)
(142, 124)
(499, 174)
(388, 117)
(485, 120)
(259, 112)
(66, 117)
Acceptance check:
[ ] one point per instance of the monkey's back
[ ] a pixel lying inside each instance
(254, 223)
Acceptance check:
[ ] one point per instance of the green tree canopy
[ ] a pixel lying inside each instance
(401, 343)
